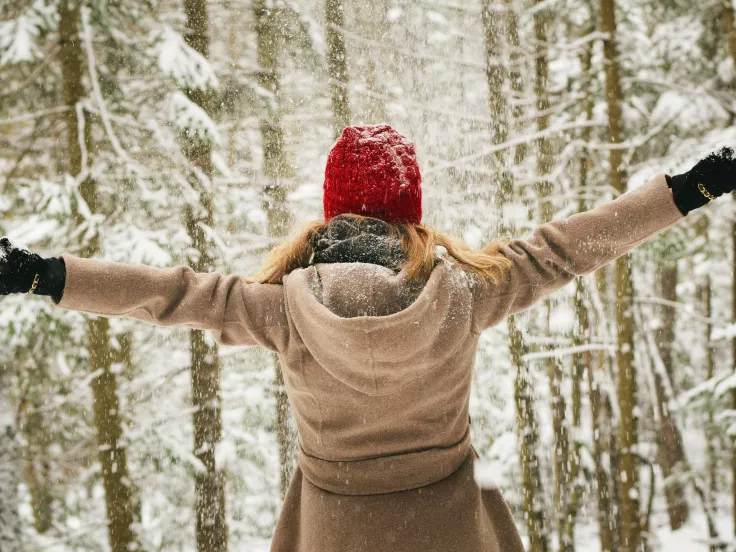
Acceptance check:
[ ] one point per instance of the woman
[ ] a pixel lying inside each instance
(376, 320)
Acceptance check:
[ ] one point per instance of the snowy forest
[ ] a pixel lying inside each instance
(195, 132)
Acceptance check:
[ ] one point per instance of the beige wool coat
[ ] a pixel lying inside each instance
(378, 371)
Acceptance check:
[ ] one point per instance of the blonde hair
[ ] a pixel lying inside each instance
(418, 242)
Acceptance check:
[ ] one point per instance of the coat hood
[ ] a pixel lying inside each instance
(374, 329)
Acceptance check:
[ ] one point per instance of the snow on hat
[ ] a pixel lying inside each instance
(372, 171)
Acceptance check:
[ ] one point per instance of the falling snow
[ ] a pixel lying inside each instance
(167, 151)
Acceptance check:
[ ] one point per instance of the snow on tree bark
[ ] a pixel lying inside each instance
(704, 293)
(542, 20)
(602, 392)
(526, 420)
(37, 470)
(106, 406)
(582, 363)
(374, 23)
(337, 65)
(733, 357)
(729, 31)
(628, 435)
(211, 525)
(10, 528)
(279, 220)
(671, 454)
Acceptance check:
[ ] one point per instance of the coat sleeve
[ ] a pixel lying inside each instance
(239, 313)
(559, 251)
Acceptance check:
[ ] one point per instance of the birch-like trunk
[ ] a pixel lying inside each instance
(10, 530)
(105, 402)
(337, 65)
(375, 26)
(38, 473)
(606, 445)
(526, 422)
(671, 454)
(733, 357)
(606, 526)
(704, 293)
(211, 524)
(275, 171)
(729, 30)
(628, 436)
(553, 366)
(583, 363)
(733, 351)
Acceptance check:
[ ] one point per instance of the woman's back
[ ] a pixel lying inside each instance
(381, 402)
(379, 386)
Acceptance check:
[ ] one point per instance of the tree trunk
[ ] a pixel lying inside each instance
(671, 454)
(730, 34)
(275, 204)
(666, 333)
(583, 363)
(604, 437)
(628, 477)
(337, 64)
(542, 19)
(527, 426)
(613, 455)
(211, 525)
(733, 350)
(374, 21)
(38, 474)
(728, 28)
(553, 366)
(628, 437)
(733, 357)
(515, 76)
(603, 494)
(234, 45)
(10, 530)
(528, 434)
(711, 432)
(106, 406)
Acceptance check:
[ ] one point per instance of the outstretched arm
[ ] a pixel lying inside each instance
(561, 250)
(238, 313)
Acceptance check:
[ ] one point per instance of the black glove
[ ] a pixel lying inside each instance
(716, 174)
(18, 269)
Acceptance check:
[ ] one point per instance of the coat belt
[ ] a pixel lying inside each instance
(385, 474)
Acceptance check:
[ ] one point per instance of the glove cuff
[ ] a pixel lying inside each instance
(52, 278)
(685, 193)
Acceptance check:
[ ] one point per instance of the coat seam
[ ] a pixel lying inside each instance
(373, 360)
(370, 344)
(311, 394)
(285, 326)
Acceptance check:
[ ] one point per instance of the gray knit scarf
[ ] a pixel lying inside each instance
(346, 240)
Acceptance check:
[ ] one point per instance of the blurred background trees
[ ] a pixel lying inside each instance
(195, 132)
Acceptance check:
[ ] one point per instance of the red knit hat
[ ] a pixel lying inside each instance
(372, 171)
